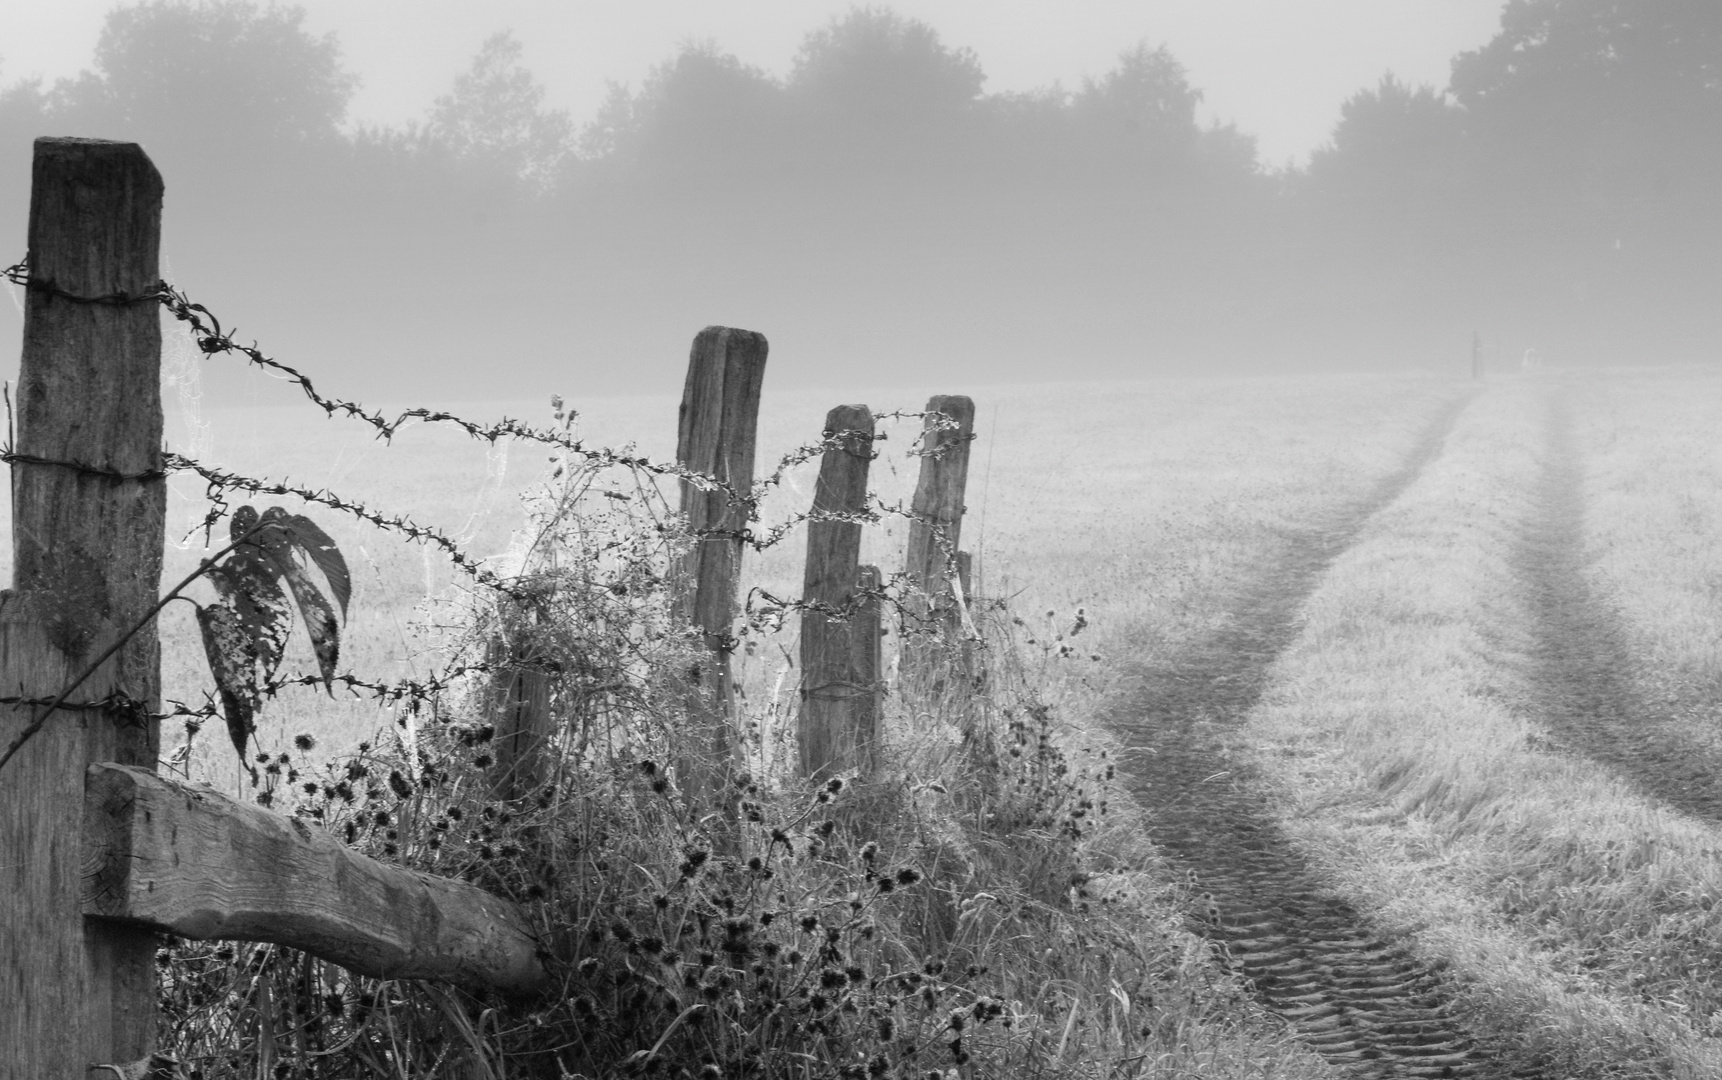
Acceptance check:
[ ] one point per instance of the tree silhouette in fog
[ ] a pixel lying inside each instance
(495, 118)
(873, 83)
(1565, 188)
(1395, 150)
(1147, 100)
(223, 77)
(1614, 103)
(702, 110)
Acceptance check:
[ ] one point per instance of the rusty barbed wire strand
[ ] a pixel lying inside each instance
(212, 339)
(220, 481)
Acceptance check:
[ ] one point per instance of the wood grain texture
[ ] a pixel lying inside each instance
(715, 436)
(188, 860)
(940, 488)
(519, 700)
(838, 723)
(87, 564)
(935, 529)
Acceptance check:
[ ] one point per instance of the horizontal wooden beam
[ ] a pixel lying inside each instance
(188, 860)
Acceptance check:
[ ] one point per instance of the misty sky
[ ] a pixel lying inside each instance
(1277, 68)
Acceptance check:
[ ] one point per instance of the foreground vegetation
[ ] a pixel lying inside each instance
(995, 906)
(1003, 920)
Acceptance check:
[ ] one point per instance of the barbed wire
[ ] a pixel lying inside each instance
(212, 339)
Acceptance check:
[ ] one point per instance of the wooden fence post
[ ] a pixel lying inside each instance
(1476, 355)
(936, 528)
(715, 436)
(88, 508)
(519, 700)
(839, 718)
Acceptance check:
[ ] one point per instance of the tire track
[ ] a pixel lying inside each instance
(1580, 693)
(1358, 1000)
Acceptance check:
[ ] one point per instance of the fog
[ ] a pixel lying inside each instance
(883, 218)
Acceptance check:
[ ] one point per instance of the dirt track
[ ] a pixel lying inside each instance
(1358, 1000)
(1578, 692)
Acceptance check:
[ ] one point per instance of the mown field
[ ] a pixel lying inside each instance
(1414, 683)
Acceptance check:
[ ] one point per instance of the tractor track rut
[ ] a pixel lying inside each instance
(1577, 662)
(1361, 1001)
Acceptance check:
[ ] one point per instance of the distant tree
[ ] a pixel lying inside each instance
(703, 110)
(1395, 145)
(874, 83)
(221, 75)
(1614, 98)
(495, 117)
(1146, 102)
(23, 116)
(605, 135)
(1224, 151)
(1648, 52)
(22, 103)
(875, 61)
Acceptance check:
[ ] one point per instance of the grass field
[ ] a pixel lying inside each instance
(1141, 504)
(1456, 649)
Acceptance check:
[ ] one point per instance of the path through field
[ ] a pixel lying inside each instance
(1361, 1001)
(1581, 695)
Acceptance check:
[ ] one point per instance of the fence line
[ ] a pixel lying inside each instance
(97, 854)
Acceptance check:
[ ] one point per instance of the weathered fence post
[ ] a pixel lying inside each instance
(715, 437)
(936, 527)
(519, 700)
(1476, 355)
(839, 719)
(88, 504)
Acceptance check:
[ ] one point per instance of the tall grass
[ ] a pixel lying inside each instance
(989, 909)
(1653, 530)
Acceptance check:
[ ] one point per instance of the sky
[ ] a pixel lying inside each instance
(1279, 69)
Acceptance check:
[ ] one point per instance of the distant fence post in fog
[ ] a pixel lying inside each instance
(935, 530)
(715, 437)
(838, 723)
(1476, 355)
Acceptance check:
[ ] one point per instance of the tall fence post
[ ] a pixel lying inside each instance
(838, 726)
(715, 436)
(936, 527)
(1476, 355)
(88, 518)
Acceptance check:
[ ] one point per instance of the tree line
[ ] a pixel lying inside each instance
(876, 201)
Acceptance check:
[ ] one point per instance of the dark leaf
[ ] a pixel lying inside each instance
(232, 654)
(320, 621)
(249, 581)
(281, 536)
(308, 536)
(240, 525)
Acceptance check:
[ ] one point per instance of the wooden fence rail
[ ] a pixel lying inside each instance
(187, 860)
